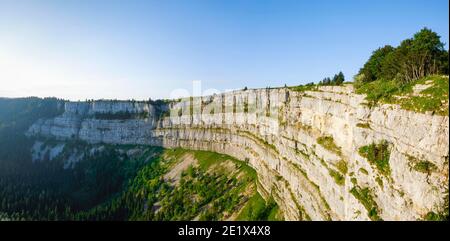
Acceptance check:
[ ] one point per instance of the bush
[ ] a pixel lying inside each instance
(328, 143)
(342, 166)
(338, 178)
(378, 155)
(364, 196)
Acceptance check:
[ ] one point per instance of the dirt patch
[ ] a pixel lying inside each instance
(226, 167)
(174, 175)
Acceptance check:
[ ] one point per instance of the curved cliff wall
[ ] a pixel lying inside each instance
(305, 146)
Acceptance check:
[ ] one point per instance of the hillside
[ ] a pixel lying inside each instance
(80, 181)
(321, 153)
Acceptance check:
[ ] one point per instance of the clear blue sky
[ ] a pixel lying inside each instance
(140, 49)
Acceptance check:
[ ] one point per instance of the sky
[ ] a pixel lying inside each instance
(113, 49)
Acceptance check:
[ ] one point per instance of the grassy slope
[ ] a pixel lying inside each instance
(258, 209)
(227, 201)
(432, 99)
(112, 185)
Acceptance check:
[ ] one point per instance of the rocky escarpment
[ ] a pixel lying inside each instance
(322, 155)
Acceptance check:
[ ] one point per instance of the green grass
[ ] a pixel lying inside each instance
(258, 209)
(207, 159)
(363, 171)
(441, 215)
(379, 181)
(422, 104)
(338, 178)
(424, 167)
(363, 125)
(432, 216)
(249, 171)
(274, 214)
(377, 155)
(379, 91)
(174, 154)
(342, 166)
(303, 88)
(433, 99)
(328, 143)
(364, 196)
(255, 205)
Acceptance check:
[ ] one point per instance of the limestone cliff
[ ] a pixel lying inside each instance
(305, 146)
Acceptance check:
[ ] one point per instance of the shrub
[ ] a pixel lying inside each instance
(364, 171)
(342, 166)
(425, 167)
(338, 178)
(364, 196)
(377, 155)
(328, 143)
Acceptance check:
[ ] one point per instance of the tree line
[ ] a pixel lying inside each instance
(338, 79)
(415, 58)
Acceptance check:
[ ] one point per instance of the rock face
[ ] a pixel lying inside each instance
(305, 146)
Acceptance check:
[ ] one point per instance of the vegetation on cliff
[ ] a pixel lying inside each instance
(378, 154)
(413, 75)
(441, 215)
(415, 58)
(328, 143)
(429, 94)
(392, 75)
(365, 197)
